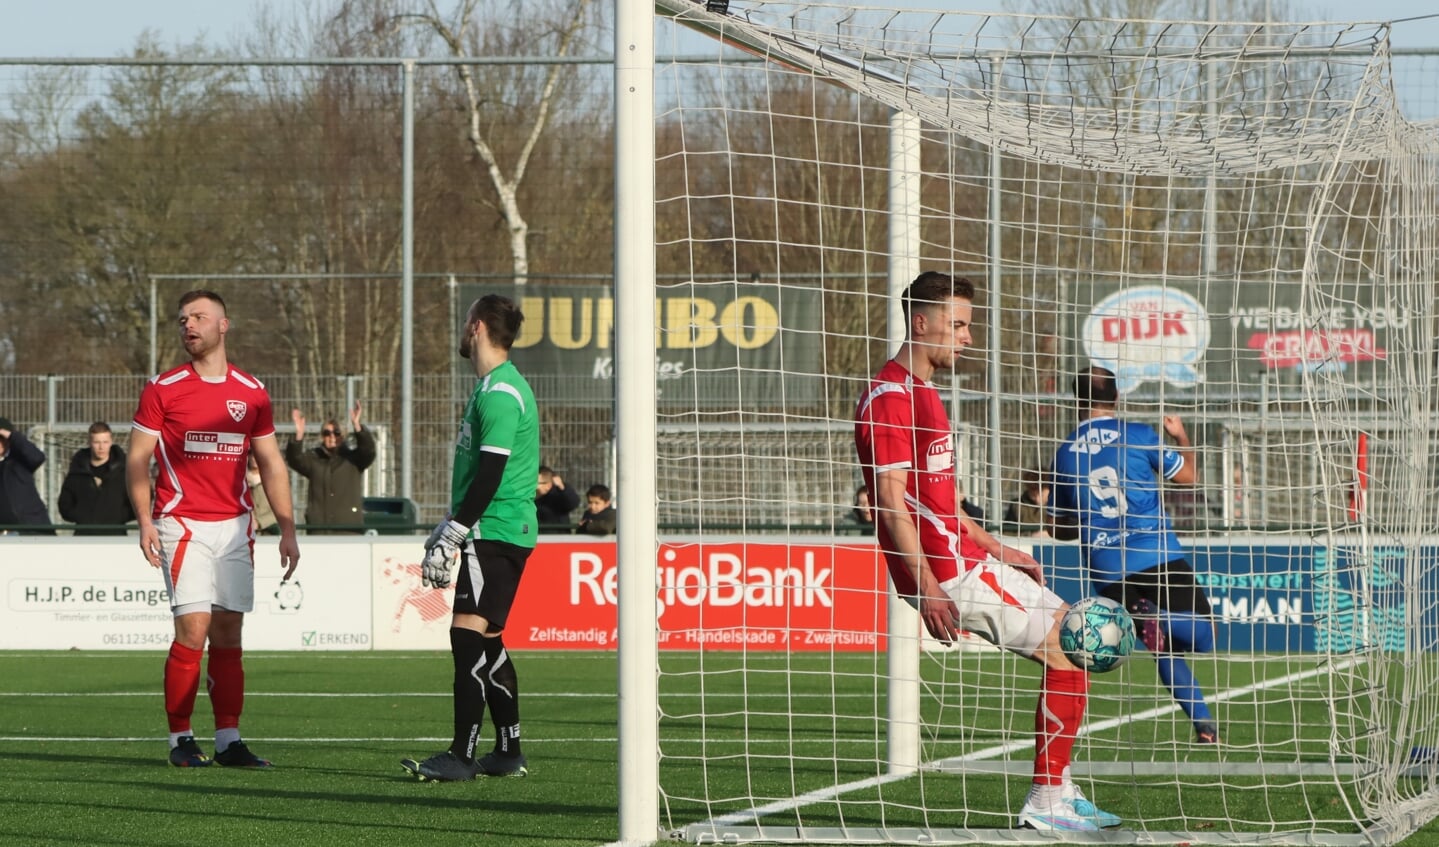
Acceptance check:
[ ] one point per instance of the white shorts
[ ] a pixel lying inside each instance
(208, 563)
(1002, 605)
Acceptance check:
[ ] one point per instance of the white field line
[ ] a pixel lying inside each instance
(823, 794)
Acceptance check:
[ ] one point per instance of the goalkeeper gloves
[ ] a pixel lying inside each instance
(441, 548)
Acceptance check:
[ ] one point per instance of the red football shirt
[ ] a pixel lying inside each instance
(901, 425)
(205, 427)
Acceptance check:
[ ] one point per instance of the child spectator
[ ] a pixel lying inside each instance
(599, 516)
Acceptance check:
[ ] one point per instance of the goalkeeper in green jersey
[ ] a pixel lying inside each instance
(491, 528)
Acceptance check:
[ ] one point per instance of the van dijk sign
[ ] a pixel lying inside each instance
(715, 342)
(1230, 334)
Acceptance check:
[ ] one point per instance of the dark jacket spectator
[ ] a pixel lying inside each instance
(554, 502)
(974, 511)
(94, 493)
(20, 502)
(599, 516)
(335, 470)
(863, 512)
(1025, 514)
(264, 514)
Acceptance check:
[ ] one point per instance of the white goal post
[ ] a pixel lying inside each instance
(1236, 217)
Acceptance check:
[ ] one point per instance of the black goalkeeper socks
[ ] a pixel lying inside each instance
(504, 694)
(467, 647)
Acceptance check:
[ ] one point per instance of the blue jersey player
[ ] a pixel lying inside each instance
(1107, 479)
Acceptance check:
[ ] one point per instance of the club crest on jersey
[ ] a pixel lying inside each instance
(237, 409)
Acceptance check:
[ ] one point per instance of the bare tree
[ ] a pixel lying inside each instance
(512, 92)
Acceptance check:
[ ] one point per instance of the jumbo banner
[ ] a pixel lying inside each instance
(107, 597)
(712, 596)
(715, 342)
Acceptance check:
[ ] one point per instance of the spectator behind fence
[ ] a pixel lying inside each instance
(1025, 514)
(971, 510)
(863, 513)
(599, 516)
(94, 493)
(264, 515)
(336, 473)
(553, 501)
(20, 503)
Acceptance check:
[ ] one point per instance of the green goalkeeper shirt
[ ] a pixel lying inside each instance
(501, 418)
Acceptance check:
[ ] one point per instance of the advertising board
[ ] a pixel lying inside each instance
(106, 597)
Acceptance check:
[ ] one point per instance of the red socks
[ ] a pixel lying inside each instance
(226, 681)
(1057, 721)
(182, 682)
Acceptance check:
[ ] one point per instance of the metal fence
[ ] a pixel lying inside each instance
(1263, 466)
(56, 411)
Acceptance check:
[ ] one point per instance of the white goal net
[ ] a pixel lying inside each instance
(1237, 219)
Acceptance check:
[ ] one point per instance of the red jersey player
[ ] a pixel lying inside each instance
(199, 421)
(958, 575)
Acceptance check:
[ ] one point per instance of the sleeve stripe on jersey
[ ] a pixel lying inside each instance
(872, 395)
(490, 448)
(512, 391)
(145, 429)
(1177, 467)
(897, 466)
(247, 382)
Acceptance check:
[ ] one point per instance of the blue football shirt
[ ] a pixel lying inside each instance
(1107, 479)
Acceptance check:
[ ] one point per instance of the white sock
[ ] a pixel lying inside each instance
(1071, 791)
(1044, 796)
(225, 737)
(176, 736)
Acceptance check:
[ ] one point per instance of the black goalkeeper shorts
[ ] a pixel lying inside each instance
(490, 574)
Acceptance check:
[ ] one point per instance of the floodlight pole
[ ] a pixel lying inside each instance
(407, 284)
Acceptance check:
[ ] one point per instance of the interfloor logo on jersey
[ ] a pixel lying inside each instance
(215, 443)
(1148, 334)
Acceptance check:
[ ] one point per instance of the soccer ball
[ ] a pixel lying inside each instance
(1096, 634)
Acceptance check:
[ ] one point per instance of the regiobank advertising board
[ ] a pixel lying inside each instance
(1270, 594)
